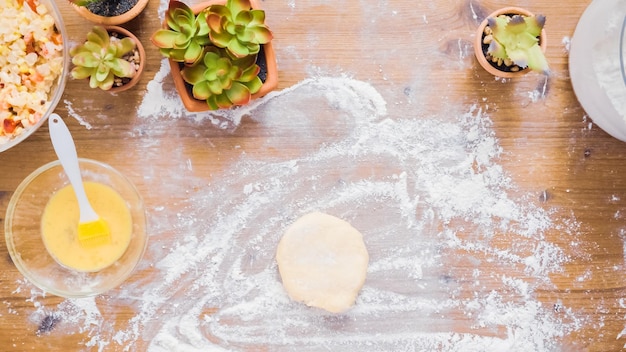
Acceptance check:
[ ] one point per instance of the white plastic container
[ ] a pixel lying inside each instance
(596, 65)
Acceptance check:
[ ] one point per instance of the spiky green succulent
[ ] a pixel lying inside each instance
(516, 38)
(100, 59)
(83, 2)
(223, 81)
(237, 27)
(186, 36)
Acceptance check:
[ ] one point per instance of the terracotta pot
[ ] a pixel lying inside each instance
(113, 20)
(142, 58)
(195, 105)
(480, 51)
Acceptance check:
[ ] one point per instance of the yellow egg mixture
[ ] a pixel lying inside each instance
(59, 227)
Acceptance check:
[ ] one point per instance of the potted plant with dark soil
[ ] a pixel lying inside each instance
(109, 12)
(511, 42)
(220, 53)
(112, 59)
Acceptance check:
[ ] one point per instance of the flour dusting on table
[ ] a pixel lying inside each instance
(439, 215)
(457, 252)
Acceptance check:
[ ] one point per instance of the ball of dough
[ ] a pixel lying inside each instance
(322, 262)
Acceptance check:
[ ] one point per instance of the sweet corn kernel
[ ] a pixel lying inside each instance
(23, 29)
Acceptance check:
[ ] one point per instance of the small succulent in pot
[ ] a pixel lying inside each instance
(109, 12)
(515, 40)
(511, 42)
(101, 58)
(223, 81)
(238, 28)
(186, 36)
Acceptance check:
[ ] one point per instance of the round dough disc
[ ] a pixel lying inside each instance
(322, 262)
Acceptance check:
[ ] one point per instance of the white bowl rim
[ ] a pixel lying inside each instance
(590, 95)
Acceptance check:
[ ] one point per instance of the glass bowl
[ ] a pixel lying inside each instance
(54, 96)
(25, 242)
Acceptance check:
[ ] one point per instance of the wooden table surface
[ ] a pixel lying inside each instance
(418, 56)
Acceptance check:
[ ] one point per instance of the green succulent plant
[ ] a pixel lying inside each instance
(516, 39)
(223, 81)
(186, 37)
(100, 59)
(216, 49)
(237, 27)
(83, 2)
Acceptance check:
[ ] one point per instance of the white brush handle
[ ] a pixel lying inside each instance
(66, 152)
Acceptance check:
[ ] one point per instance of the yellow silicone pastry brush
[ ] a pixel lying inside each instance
(92, 230)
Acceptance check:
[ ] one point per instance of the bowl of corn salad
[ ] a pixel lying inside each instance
(33, 66)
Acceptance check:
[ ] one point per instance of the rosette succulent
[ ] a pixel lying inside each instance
(223, 81)
(100, 59)
(213, 52)
(516, 39)
(237, 27)
(186, 36)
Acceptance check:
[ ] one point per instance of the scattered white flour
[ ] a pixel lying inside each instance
(427, 193)
(158, 102)
(567, 42)
(540, 92)
(608, 58)
(72, 113)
